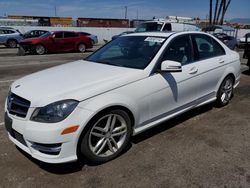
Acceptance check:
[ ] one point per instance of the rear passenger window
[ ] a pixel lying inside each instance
(9, 32)
(69, 35)
(207, 47)
(59, 35)
(179, 50)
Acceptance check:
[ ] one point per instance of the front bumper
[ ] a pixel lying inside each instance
(44, 142)
(27, 47)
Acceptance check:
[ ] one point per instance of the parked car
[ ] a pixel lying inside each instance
(121, 34)
(10, 37)
(34, 33)
(242, 41)
(246, 54)
(230, 41)
(94, 38)
(162, 25)
(59, 41)
(90, 108)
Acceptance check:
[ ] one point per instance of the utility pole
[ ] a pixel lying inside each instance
(55, 11)
(126, 11)
(137, 14)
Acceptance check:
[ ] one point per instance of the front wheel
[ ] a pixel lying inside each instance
(225, 92)
(106, 137)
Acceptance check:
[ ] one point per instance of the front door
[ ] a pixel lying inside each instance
(175, 91)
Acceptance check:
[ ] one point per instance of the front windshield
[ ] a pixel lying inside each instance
(45, 35)
(150, 26)
(128, 51)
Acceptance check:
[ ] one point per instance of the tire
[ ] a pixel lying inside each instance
(225, 92)
(82, 47)
(40, 49)
(106, 137)
(12, 43)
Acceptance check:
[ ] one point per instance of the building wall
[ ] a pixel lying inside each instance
(102, 33)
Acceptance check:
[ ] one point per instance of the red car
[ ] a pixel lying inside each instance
(59, 41)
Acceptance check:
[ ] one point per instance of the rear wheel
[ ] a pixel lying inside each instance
(12, 43)
(40, 49)
(225, 92)
(81, 47)
(106, 137)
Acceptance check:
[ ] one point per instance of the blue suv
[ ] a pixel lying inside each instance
(10, 37)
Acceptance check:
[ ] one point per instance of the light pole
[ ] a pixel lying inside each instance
(55, 11)
(126, 11)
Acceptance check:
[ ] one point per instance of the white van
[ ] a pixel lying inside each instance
(166, 26)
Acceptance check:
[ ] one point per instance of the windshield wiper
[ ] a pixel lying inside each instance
(106, 62)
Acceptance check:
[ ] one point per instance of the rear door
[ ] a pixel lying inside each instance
(70, 39)
(58, 42)
(211, 60)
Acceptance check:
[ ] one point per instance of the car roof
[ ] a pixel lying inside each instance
(2, 27)
(63, 31)
(152, 34)
(163, 34)
(37, 30)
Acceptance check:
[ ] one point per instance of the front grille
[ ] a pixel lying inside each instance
(17, 106)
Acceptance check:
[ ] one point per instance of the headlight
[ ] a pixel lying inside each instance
(54, 112)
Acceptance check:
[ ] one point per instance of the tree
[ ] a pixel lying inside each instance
(221, 7)
(210, 12)
(225, 7)
(219, 11)
(215, 12)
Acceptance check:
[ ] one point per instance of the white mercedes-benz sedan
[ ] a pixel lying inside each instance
(91, 108)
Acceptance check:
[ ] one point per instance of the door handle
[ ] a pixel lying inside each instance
(221, 61)
(193, 70)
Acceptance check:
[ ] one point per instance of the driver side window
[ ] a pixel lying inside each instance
(179, 50)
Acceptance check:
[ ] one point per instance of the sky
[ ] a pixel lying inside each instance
(116, 8)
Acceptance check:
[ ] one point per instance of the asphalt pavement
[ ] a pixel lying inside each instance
(206, 147)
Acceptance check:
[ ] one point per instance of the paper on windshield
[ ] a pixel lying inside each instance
(154, 39)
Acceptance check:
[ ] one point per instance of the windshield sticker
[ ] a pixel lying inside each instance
(154, 39)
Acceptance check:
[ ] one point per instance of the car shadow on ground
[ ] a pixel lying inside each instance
(72, 167)
(22, 53)
(246, 72)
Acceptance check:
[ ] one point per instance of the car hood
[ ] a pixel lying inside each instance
(79, 80)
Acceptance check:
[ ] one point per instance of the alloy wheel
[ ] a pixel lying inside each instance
(226, 90)
(81, 48)
(12, 44)
(108, 135)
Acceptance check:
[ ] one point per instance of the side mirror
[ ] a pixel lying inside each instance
(171, 66)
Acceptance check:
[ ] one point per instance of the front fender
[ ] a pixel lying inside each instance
(101, 102)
